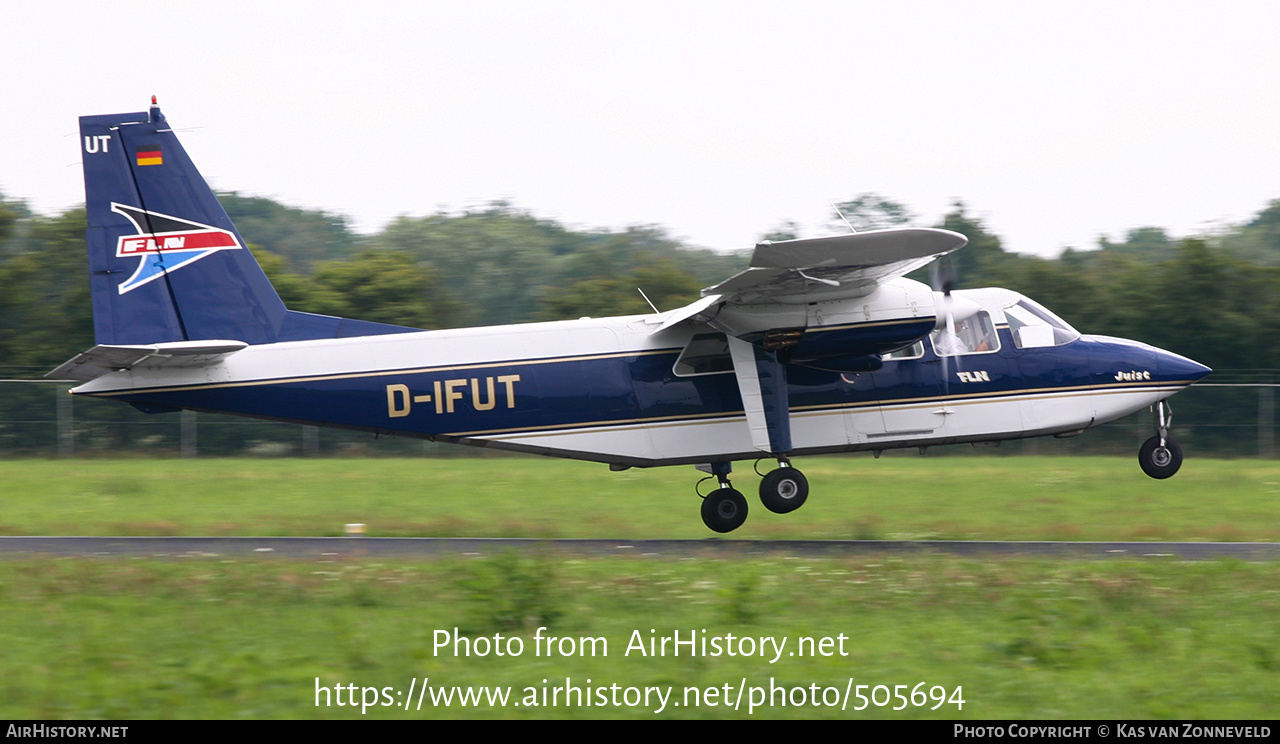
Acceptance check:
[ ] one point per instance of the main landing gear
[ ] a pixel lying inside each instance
(725, 509)
(783, 490)
(1160, 456)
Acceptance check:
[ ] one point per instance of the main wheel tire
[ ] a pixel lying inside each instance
(724, 510)
(1158, 461)
(784, 490)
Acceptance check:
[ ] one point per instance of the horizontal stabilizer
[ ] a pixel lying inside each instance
(104, 359)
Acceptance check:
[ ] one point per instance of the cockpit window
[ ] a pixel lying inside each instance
(1034, 327)
(973, 335)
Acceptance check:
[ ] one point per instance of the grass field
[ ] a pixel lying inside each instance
(907, 497)
(1022, 638)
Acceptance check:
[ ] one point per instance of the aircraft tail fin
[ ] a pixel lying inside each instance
(165, 262)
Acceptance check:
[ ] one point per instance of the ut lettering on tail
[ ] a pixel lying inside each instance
(821, 346)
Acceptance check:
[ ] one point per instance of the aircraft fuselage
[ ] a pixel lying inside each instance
(608, 390)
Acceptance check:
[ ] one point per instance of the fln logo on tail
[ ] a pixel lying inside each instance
(166, 244)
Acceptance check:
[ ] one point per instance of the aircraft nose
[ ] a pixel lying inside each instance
(1176, 368)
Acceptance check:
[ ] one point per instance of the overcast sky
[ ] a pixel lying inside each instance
(1053, 122)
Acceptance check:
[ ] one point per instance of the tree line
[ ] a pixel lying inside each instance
(1214, 297)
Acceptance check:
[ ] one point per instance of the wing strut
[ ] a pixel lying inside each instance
(762, 382)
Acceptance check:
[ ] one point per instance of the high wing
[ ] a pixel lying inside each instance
(837, 267)
(833, 303)
(823, 269)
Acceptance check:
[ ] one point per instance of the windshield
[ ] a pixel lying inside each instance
(1033, 326)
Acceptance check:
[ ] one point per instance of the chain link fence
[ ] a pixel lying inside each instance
(41, 419)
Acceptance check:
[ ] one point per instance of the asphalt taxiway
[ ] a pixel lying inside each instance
(429, 547)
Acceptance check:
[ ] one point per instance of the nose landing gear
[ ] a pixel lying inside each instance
(1160, 456)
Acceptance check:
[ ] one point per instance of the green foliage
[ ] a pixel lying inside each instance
(666, 286)
(379, 285)
(741, 597)
(975, 264)
(10, 213)
(510, 592)
(869, 211)
(45, 311)
(294, 289)
(644, 245)
(303, 237)
(503, 265)
(787, 230)
(497, 262)
(1258, 241)
(1145, 243)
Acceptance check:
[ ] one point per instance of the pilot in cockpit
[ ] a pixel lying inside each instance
(946, 343)
(968, 336)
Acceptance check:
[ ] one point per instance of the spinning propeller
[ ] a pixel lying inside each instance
(943, 279)
(954, 310)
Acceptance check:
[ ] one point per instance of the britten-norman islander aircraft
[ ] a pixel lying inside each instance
(821, 346)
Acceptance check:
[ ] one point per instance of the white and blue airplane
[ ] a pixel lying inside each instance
(821, 346)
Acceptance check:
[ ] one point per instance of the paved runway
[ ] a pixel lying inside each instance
(428, 547)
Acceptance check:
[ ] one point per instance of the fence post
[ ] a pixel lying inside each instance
(310, 441)
(1266, 421)
(189, 433)
(66, 423)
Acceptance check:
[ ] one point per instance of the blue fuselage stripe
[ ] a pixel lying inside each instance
(626, 388)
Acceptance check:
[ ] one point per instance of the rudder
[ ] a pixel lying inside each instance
(165, 261)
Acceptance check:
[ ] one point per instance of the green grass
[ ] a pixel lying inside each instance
(211, 638)
(906, 497)
(214, 637)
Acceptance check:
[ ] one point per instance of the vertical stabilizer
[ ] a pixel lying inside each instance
(165, 262)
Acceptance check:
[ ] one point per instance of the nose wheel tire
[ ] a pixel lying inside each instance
(1160, 460)
(724, 510)
(783, 490)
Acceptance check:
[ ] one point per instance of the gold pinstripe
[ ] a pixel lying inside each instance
(660, 422)
(385, 373)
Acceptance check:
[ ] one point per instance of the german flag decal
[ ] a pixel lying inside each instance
(150, 155)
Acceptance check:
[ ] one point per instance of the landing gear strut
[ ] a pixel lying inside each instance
(724, 509)
(1160, 456)
(784, 490)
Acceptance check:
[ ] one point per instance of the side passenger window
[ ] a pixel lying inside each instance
(914, 351)
(705, 354)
